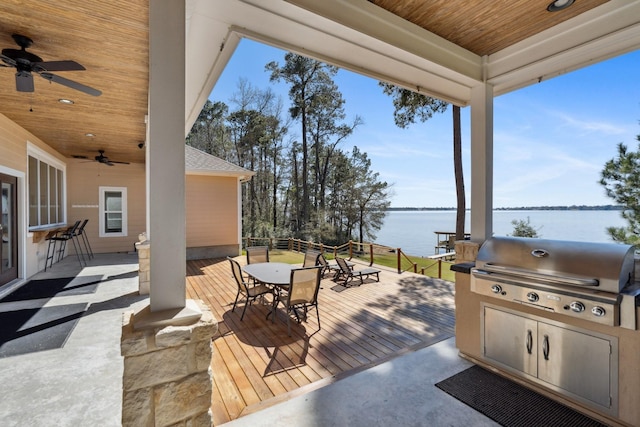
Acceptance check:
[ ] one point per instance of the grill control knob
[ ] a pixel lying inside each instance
(598, 311)
(577, 306)
(496, 289)
(532, 297)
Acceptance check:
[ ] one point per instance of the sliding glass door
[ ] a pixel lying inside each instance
(8, 229)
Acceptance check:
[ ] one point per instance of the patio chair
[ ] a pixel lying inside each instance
(257, 254)
(310, 258)
(249, 292)
(301, 295)
(349, 273)
(331, 266)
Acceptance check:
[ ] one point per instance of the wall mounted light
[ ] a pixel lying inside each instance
(558, 5)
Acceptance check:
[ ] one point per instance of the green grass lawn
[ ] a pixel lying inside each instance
(430, 265)
(387, 260)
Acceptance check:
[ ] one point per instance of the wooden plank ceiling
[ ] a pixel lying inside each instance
(110, 39)
(484, 27)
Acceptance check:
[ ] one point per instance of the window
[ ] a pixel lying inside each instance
(46, 190)
(113, 211)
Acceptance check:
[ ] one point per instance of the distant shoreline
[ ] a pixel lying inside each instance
(526, 208)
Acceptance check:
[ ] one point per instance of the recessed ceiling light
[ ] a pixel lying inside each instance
(90, 135)
(557, 5)
(65, 101)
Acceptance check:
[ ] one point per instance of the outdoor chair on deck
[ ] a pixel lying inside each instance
(257, 254)
(301, 295)
(349, 274)
(249, 292)
(331, 266)
(310, 258)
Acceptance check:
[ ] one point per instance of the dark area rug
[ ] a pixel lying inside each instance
(510, 404)
(37, 329)
(48, 288)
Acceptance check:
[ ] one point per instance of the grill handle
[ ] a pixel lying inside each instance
(518, 272)
(545, 347)
(529, 341)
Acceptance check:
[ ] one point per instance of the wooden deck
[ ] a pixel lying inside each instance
(256, 364)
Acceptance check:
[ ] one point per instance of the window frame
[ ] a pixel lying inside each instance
(43, 158)
(102, 211)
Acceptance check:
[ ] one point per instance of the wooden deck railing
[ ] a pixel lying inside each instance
(368, 252)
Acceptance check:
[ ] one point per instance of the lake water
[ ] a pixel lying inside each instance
(413, 231)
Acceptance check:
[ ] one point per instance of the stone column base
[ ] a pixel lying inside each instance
(143, 247)
(167, 373)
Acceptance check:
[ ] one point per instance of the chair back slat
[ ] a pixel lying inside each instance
(256, 254)
(322, 261)
(343, 265)
(304, 286)
(310, 258)
(237, 274)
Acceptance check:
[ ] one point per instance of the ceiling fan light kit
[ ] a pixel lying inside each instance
(27, 63)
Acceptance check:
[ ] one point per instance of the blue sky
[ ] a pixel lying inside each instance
(551, 140)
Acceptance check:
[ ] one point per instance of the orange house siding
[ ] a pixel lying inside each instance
(84, 178)
(212, 214)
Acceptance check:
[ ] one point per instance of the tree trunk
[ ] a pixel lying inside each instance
(457, 166)
(305, 169)
(274, 194)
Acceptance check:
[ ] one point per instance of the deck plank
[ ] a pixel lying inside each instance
(255, 361)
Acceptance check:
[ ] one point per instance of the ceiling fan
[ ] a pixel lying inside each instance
(101, 158)
(27, 63)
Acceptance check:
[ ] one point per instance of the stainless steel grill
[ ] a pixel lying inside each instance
(591, 281)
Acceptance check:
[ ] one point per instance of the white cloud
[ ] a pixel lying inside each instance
(588, 126)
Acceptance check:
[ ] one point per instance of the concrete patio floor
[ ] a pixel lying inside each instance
(80, 384)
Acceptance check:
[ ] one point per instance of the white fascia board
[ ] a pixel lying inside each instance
(292, 28)
(594, 36)
(375, 22)
(241, 175)
(209, 46)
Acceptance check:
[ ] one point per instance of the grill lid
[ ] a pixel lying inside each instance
(606, 266)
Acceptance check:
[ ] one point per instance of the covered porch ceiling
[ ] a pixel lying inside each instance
(443, 48)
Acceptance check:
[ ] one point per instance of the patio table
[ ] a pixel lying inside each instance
(270, 273)
(277, 274)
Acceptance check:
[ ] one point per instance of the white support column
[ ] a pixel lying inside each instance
(165, 156)
(481, 162)
(239, 198)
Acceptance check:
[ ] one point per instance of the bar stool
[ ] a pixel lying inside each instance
(85, 240)
(51, 249)
(63, 238)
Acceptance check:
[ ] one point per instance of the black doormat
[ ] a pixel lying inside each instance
(48, 288)
(510, 404)
(37, 329)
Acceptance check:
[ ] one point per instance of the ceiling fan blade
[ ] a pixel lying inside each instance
(24, 81)
(121, 163)
(59, 66)
(71, 84)
(7, 62)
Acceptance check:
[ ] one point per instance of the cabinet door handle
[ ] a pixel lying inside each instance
(529, 341)
(545, 347)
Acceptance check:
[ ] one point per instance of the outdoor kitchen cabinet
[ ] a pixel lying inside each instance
(567, 360)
